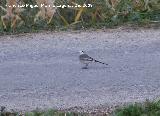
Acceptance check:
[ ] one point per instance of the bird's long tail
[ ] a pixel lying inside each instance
(100, 62)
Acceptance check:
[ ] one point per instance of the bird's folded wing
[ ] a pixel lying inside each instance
(87, 59)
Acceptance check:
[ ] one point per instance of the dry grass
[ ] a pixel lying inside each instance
(104, 13)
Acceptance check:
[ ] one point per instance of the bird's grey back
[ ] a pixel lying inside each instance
(85, 57)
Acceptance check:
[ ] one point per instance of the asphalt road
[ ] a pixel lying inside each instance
(42, 70)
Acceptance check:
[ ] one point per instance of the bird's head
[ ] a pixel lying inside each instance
(81, 52)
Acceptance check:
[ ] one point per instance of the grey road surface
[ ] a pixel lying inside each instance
(42, 70)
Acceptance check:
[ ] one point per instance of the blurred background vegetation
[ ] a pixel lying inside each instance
(104, 13)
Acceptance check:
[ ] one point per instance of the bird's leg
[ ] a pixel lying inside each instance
(85, 67)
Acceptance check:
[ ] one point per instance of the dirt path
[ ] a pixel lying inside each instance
(42, 70)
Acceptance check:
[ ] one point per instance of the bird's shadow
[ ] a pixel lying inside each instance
(95, 67)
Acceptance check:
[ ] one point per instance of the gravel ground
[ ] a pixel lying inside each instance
(42, 70)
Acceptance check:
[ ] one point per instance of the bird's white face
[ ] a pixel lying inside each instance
(81, 52)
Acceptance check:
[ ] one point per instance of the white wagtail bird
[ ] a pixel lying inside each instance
(85, 59)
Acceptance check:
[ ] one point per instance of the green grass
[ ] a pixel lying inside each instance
(50, 112)
(148, 108)
(140, 109)
(102, 14)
